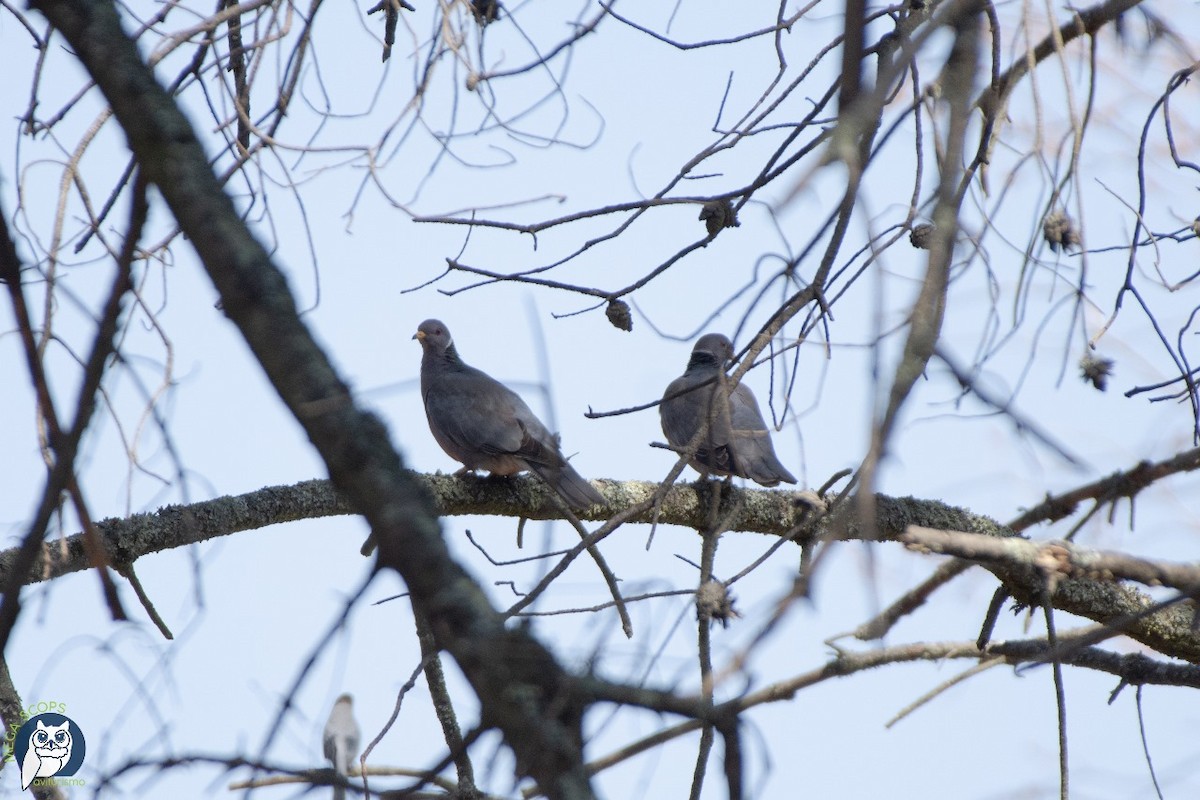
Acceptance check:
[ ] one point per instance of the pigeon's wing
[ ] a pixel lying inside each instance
(482, 415)
(481, 422)
(680, 416)
(744, 413)
(752, 452)
(541, 452)
(684, 415)
(538, 445)
(473, 415)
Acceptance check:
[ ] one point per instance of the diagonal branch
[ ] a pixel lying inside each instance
(522, 689)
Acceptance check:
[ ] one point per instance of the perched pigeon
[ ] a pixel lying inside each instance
(483, 424)
(738, 441)
(341, 740)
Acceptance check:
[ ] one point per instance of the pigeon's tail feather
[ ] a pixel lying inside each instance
(570, 485)
(758, 462)
(339, 793)
(770, 473)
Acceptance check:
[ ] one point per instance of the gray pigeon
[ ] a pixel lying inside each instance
(483, 424)
(341, 740)
(738, 441)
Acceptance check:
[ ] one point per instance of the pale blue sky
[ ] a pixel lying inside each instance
(248, 609)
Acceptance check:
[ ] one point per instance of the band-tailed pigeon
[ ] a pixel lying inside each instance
(341, 740)
(738, 441)
(483, 424)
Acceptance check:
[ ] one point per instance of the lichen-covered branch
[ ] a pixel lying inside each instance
(763, 511)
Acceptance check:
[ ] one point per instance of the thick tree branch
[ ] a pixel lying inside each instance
(1084, 582)
(755, 510)
(766, 511)
(1056, 559)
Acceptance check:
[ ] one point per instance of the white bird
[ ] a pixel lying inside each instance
(341, 740)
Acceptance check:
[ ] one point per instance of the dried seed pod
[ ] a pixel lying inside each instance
(1196, 226)
(1060, 231)
(715, 603)
(920, 235)
(718, 214)
(1096, 370)
(618, 314)
(485, 11)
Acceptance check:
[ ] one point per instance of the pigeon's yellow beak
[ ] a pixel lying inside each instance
(419, 336)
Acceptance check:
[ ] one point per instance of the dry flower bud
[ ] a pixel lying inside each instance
(718, 214)
(1060, 231)
(920, 235)
(485, 11)
(1096, 370)
(618, 314)
(715, 603)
